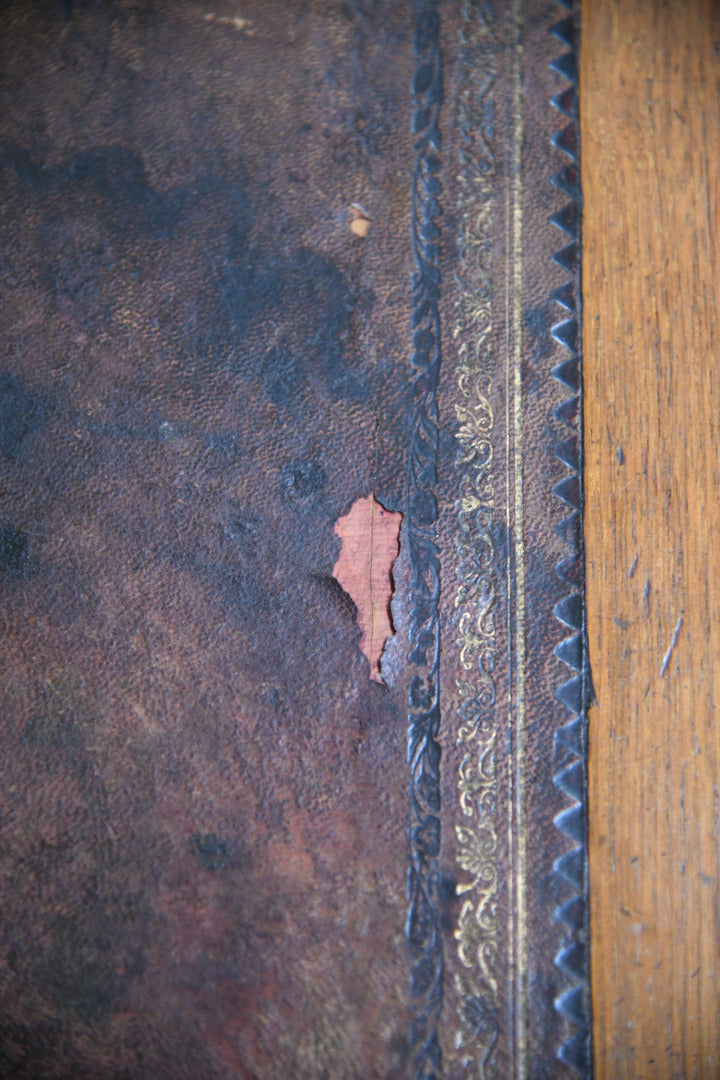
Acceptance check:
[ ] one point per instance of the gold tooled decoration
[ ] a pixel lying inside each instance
(476, 595)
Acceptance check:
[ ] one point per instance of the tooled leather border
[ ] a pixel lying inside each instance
(476, 588)
(423, 921)
(423, 918)
(571, 871)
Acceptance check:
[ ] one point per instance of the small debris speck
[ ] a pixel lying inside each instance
(359, 221)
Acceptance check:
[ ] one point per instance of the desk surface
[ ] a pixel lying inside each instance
(651, 150)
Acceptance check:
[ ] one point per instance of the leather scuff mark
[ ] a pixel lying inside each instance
(370, 537)
(231, 20)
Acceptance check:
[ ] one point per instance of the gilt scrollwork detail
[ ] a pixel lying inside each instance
(476, 591)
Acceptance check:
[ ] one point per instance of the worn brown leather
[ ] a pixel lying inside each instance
(216, 860)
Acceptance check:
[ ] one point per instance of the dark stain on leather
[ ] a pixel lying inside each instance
(20, 412)
(13, 549)
(244, 529)
(319, 309)
(211, 852)
(113, 180)
(448, 900)
(537, 322)
(79, 972)
(300, 479)
(48, 732)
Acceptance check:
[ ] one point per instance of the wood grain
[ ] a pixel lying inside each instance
(650, 109)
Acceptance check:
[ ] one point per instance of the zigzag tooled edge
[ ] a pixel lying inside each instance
(573, 1003)
(423, 928)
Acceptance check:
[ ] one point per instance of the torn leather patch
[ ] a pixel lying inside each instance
(370, 537)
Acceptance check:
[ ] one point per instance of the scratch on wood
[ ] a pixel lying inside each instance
(646, 596)
(673, 643)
